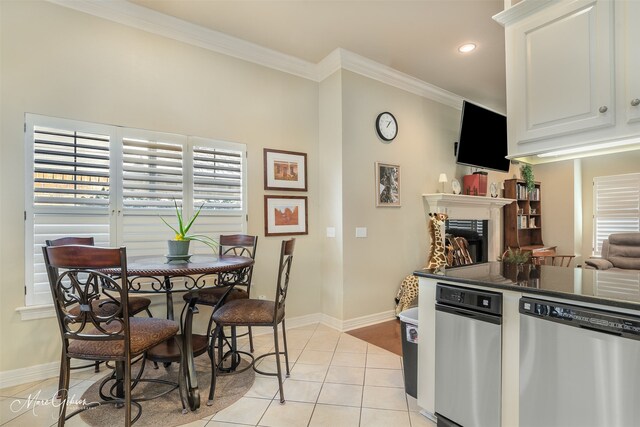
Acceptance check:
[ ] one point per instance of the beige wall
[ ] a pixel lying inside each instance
(397, 236)
(365, 279)
(58, 62)
(560, 206)
(331, 184)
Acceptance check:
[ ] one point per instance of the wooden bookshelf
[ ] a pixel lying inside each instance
(522, 218)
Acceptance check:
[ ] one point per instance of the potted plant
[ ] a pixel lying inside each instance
(516, 256)
(514, 264)
(527, 175)
(179, 245)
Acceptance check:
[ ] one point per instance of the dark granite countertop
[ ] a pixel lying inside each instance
(611, 288)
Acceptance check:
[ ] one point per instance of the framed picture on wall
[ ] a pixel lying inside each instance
(285, 215)
(387, 184)
(285, 170)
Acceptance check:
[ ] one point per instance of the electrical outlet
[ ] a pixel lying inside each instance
(361, 232)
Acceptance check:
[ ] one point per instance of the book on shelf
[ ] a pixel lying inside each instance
(535, 195)
(522, 221)
(523, 193)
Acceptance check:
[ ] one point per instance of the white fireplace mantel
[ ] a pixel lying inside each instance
(459, 206)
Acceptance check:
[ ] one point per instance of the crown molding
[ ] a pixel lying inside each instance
(329, 65)
(520, 11)
(385, 74)
(135, 16)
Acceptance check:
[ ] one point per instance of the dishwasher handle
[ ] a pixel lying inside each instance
(483, 317)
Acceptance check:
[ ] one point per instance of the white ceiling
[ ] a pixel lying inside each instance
(417, 37)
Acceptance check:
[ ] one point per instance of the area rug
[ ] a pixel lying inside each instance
(385, 335)
(167, 410)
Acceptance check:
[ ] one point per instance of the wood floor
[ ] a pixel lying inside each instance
(385, 335)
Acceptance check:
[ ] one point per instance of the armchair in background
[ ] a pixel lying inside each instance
(621, 251)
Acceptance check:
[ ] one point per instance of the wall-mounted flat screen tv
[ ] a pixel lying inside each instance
(483, 138)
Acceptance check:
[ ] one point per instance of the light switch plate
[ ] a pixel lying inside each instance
(331, 232)
(361, 232)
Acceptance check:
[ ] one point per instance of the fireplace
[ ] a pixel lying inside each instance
(484, 213)
(474, 232)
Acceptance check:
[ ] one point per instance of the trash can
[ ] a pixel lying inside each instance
(409, 332)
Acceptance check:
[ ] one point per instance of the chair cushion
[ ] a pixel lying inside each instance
(145, 333)
(211, 296)
(105, 307)
(598, 263)
(247, 312)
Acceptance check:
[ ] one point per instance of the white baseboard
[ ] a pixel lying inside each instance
(309, 319)
(29, 374)
(52, 369)
(332, 322)
(371, 319)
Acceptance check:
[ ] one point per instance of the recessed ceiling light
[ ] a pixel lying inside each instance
(465, 48)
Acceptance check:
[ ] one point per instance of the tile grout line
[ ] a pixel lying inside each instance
(314, 331)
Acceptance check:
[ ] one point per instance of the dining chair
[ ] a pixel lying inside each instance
(238, 245)
(556, 260)
(255, 312)
(104, 306)
(76, 281)
(108, 304)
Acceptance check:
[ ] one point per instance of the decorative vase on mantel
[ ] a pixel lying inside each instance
(178, 248)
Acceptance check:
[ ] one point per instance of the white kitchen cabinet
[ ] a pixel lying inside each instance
(573, 73)
(629, 22)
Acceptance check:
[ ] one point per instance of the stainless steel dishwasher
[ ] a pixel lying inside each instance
(579, 366)
(468, 357)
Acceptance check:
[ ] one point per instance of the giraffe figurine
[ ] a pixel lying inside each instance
(437, 256)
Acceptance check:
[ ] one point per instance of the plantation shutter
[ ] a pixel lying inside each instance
(218, 177)
(617, 284)
(114, 184)
(152, 179)
(69, 191)
(616, 202)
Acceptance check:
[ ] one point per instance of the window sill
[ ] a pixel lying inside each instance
(36, 312)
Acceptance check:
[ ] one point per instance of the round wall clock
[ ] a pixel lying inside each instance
(386, 126)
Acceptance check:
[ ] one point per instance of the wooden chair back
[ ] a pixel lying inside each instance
(75, 279)
(286, 259)
(556, 260)
(64, 241)
(239, 245)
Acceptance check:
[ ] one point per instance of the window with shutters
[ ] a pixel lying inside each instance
(616, 207)
(114, 183)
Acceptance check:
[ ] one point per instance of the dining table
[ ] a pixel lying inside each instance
(157, 274)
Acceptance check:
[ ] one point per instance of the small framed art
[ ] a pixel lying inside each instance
(285, 215)
(387, 184)
(285, 170)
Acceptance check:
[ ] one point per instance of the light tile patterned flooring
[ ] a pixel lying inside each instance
(336, 380)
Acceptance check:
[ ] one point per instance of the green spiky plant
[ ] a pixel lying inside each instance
(516, 256)
(527, 175)
(182, 232)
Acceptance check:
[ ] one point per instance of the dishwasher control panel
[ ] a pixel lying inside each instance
(583, 317)
(456, 296)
